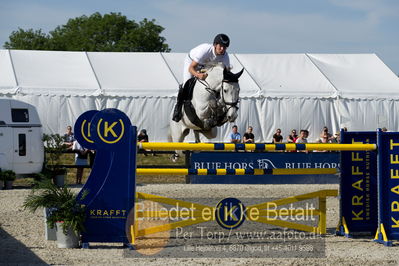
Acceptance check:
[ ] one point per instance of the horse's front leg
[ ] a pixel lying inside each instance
(178, 133)
(208, 116)
(197, 137)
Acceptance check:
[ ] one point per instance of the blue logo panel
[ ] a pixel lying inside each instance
(111, 185)
(109, 129)
(84, 137)
(82, 130)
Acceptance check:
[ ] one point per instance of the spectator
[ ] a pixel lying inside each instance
(235, 137)
(277, 137)
(69, 137)
(325, 130)
(80, 160)
(303, 135)
(143, 137)
(249, 136)
(324, 139)
(292, 137)
(384, 129)
(336, 138)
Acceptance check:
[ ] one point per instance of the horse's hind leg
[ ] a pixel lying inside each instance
(178, 131)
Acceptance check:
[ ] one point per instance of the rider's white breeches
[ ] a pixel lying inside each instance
(186, 74)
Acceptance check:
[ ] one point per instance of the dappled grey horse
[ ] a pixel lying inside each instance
(214, 102)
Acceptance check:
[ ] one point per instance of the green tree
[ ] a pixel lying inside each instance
(28, 40)
(107, 33)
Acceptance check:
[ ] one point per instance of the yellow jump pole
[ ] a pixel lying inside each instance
(322, 224)
(276, 171)
(171, 146)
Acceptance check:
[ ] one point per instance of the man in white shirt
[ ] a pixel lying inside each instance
(203, 55)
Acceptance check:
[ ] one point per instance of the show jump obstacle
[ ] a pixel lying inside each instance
(112, 193)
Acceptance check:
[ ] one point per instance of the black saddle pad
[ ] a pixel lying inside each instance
(188, 89)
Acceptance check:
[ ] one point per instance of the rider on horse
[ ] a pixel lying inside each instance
(202, 55)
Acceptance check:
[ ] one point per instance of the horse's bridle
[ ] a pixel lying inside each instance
(216, 95)
(231, 104)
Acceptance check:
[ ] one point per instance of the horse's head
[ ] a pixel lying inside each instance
(229, 93)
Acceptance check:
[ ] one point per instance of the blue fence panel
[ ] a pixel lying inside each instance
(359, 184)
(388, 183)
(254, 160)
(111, 185)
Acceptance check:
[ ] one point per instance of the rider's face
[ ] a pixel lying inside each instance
(220, 49)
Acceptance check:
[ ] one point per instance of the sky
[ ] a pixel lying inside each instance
(254, 26)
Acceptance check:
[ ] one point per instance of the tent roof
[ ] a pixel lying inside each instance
(286, 75)
(358, 75)
(158, 74)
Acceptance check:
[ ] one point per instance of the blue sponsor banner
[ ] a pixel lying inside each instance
(111, 184)
(358, 185)
(258, 160)
(388, 183)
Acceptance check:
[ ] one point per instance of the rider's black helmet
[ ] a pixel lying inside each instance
(222, 39)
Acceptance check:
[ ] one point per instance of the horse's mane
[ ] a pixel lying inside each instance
(227, 74)
(209, 66)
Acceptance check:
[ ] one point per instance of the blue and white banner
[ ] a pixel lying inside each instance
(269, 160)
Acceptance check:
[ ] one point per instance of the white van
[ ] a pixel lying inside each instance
(21, 145)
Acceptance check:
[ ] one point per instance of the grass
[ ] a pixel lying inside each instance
(150, 159)
(159, 159)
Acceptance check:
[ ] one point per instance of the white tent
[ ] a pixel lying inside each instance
(301, 91)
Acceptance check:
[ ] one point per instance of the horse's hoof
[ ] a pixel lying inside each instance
(174, 157)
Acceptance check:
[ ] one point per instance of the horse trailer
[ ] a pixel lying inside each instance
(21, 145)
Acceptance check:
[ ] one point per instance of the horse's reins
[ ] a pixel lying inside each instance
(215, 93)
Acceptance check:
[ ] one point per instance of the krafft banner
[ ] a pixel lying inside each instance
(269, 160)
(388, 185)
(359, 185)
(110, 133)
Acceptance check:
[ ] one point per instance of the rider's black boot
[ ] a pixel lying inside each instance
(177, 113)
